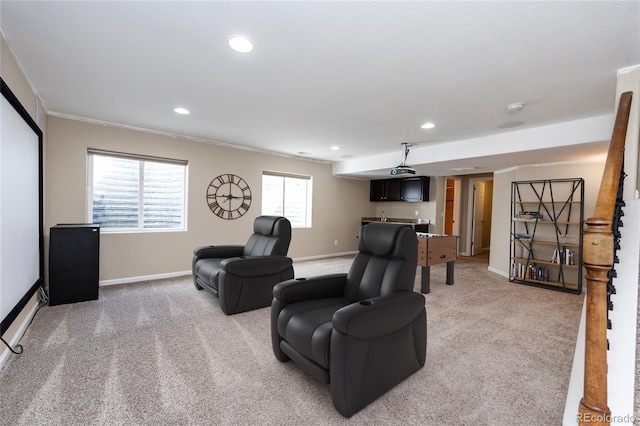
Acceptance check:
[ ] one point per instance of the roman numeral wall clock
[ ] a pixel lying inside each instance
(229, 196)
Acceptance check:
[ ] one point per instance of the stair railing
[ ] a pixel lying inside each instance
(598, 259)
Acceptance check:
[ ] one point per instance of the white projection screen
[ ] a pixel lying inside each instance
(21, 239)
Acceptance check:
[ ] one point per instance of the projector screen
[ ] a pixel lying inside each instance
(21, 238)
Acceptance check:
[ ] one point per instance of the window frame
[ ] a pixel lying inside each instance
(91, 152)
(309, 195)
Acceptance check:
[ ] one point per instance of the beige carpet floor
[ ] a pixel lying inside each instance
(160, 352)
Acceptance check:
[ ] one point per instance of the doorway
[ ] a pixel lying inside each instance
(452, 206)
(479, 217)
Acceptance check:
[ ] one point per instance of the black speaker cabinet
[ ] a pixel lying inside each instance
(74, 253)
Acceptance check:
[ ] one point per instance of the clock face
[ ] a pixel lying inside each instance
(229, 196)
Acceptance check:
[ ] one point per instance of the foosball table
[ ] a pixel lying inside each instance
(434, 249)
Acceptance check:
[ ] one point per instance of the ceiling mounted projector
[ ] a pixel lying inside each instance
(403, 168)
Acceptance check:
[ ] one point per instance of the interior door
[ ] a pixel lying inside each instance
(478, 217)
(448, 206)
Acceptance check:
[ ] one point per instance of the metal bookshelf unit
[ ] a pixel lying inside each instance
(546, 233)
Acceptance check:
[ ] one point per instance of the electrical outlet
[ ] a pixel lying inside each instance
(335, 243)
(417, 212)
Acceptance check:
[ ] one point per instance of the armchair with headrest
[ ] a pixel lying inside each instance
(243, 276)
(363, 332)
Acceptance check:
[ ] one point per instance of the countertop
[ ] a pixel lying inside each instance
(397, 220)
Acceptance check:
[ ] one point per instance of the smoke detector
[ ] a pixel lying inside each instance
(515, 107)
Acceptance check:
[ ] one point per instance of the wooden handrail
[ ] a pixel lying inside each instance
(598, 255)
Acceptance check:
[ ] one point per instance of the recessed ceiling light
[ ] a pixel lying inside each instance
(182, 111)
(241, 44)
(335, 148)
(428, 125)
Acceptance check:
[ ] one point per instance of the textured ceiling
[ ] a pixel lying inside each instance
(360, 75)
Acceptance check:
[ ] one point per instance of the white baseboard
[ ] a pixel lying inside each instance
(324, 256)
(498, 271)
(129, 280)
(18, 335)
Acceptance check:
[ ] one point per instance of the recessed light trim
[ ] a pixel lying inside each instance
(335, 148)
(240, 44)
(428, 125)
(181, 110)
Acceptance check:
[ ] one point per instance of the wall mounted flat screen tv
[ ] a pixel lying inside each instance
(21, 218)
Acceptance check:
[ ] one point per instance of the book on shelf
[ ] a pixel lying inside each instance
(529, 216)
(564, 257)
(522, 236)
(535, 272)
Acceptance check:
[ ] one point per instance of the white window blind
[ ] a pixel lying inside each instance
(129, 192)
(287, 195)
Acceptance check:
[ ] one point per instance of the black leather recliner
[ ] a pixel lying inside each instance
(363, 332)
(242, 277)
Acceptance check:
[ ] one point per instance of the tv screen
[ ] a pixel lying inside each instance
(21, 237)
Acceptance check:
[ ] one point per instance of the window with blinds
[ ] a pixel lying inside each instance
(287, 195)
(136, 193)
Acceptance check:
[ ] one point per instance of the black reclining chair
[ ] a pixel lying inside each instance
(242, 277)
(363, 332)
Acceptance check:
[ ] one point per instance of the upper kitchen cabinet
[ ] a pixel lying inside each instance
(385, 190)
(408, 189)
(415, 189)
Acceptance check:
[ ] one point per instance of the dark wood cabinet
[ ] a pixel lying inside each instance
(74, 252)
(415, 189)
(394, 190)
(385, 190)
(407, 189)
(378, 190)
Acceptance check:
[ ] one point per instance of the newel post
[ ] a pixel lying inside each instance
(598, 261)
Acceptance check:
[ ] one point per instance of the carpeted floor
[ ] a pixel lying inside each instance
(161, 352)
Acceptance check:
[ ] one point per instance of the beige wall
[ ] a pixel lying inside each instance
(501, 217)
(15, 79)
(338, 203)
